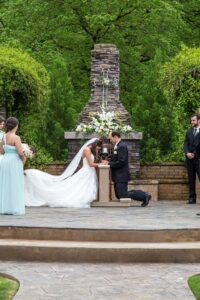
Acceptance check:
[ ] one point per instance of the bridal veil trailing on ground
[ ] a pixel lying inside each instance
(70, 189)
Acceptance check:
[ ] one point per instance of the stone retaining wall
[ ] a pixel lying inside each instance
(169, 179)
(172, 177)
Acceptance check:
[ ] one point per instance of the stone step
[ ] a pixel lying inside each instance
(62, 251)
(100, 235)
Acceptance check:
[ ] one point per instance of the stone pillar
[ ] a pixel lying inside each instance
(104, 184)
(104, 198)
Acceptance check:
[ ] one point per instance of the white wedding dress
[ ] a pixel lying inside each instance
(67, 190)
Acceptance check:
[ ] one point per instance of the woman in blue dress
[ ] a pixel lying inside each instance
(11, 171)
(2, 125)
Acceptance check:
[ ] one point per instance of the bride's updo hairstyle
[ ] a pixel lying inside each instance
(97, 143)
(11, 123)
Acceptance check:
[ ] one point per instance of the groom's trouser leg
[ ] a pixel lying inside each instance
(121, 191)
(192, 169)
(138, 195)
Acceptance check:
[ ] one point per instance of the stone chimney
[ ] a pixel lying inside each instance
(105, 83)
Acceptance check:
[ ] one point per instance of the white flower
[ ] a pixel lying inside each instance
(103, 123)
(106, 81)
(27, 151)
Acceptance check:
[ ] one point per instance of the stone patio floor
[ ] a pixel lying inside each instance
(158, 215)
(50, 281)
(67, 281)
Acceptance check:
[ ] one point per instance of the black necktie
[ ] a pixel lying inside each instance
(195, 131)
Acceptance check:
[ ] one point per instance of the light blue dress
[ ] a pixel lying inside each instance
(1, 134)
(1, 137)
(11, 182)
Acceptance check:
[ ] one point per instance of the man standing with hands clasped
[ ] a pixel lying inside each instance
(120, 171)
(192, 153)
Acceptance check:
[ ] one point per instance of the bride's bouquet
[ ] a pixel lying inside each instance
(28, 151)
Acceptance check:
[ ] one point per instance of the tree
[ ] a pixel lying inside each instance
(180, 82)
(191, 15)
(62, 113)
(24, 92)
(147, 33)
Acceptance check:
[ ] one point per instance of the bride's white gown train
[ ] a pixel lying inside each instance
(77, 190)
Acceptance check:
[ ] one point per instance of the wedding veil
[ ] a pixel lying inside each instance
(71, 168)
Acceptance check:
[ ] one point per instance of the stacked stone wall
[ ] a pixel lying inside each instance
(171, 177)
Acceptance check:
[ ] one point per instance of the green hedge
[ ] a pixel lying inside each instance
(24, 92)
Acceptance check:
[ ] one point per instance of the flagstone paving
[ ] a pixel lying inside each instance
(86, 281)
(50, 281)
(158, 215)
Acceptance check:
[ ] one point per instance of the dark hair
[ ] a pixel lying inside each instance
(11, 123)
(2, 119)
(97, 143)
(115, 133)
(195, 115)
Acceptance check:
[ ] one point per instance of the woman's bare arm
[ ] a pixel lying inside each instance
(87, 154)
(18, 146)
(1, 147)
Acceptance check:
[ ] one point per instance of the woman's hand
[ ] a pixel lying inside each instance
(104, 162)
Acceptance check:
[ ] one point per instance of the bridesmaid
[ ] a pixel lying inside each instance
(2, 124)
(11, 171)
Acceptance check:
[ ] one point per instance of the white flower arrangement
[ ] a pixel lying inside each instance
(107, 81)
(28, 153)
(103, 123)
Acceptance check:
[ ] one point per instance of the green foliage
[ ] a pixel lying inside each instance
(152, 115)
(23, 82)
(61, 34)
(191, 13)
(180, 82)
(194, 284)
(8, 288)
(24, 92)
(62, 113)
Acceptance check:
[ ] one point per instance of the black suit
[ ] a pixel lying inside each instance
(120, 174)
(192, 145)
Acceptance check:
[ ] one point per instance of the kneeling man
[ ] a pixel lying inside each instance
(120, 171)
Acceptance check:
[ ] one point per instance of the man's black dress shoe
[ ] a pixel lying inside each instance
(191, 201)
(146, 201)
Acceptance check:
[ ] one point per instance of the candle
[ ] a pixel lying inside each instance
(105, 150)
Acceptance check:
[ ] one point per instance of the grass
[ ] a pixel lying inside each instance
(194, 284)
(8, 288)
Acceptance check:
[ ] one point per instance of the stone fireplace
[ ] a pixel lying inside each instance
(105, 93)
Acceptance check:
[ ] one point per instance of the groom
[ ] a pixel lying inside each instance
(120, 171)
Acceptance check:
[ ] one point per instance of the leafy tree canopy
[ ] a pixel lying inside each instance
(180, 82)
(61, 34)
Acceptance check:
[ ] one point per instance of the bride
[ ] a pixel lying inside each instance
(70, 189)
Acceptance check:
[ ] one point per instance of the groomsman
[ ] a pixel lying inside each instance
(120, 171)
(192, 154)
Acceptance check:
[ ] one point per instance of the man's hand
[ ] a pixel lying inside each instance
(104, 162)
(190, 155)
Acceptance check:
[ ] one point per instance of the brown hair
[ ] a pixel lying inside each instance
(115, 133)
(97, 143)
(11, 123)
(197, 115)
